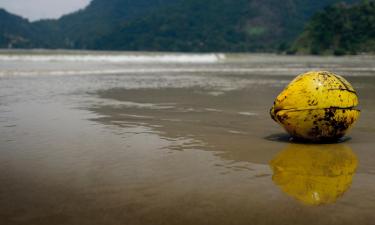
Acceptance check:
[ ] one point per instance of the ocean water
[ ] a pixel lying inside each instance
(167, 138)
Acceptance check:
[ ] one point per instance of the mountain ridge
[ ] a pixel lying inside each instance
(169, 25)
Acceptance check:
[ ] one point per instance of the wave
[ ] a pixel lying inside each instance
(368, 71)
(161, 58)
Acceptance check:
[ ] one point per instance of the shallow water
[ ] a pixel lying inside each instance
(145, 138)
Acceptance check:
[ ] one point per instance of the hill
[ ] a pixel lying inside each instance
(14, 31)
(216, 25)
(340, 29)
(102, 17)
(168, 25)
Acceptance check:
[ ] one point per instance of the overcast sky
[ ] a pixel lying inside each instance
(40, 9)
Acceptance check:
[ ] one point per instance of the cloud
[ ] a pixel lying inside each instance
(41, 9)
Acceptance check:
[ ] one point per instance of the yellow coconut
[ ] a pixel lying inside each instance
(317, 106)
(314, 174)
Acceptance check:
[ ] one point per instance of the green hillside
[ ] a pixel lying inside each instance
(216, 25)
(81, 29)
(168, 25)
(14, 31)
(339, 30)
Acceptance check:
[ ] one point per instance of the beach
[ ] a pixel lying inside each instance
(162, 138)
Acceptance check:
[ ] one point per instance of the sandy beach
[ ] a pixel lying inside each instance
(144, 138)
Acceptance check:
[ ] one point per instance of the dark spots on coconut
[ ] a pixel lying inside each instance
(340, 126)
(333, 126)
(312, 102)
(329, 114)
(315, 131)
(325, 74)
(282, 118)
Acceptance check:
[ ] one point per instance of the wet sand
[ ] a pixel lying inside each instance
(190, 147)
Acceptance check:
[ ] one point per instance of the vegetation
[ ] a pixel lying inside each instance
(216, 25)
(14, 31)
(170, 25)
(339, 29)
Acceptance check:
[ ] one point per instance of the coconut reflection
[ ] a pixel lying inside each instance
(314, 174)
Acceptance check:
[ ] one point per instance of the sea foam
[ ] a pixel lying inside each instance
(113, 58)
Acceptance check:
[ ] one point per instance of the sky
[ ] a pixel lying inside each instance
(42, 9)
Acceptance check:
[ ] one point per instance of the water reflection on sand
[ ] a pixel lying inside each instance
(107, 142)
(314, 174)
